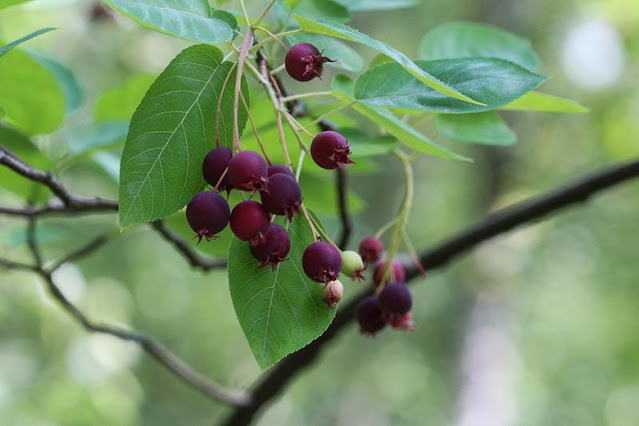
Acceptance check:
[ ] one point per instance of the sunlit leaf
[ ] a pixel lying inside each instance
(482, 127)
(120, 102)
(96, 136)
(537, 101)
(4, 49)
(73, 93)
(319, 9)
(365, 5)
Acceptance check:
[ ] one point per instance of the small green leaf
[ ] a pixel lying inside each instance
(344, 57)
(343, 89)
(466, 39)
(188, 19)
(319, 9)
(281, 310)
(482, 127)
(366, 5)
(494, 82)
(73, 93)
(4, 49)
(120, 102)
(171, 132)
(97, 136)
(347, 33)
(29, 94)
(537, 101)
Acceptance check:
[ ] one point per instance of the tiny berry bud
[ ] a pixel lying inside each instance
(214, 166)
(333, 292)
(248, 171)
(402, 322)
(352, 265)
(304, 62)
(273, 247)
(249, 221)
(321, 262)
(330, 150)
(371, 250)
(397, 273)
(369, 316)
(207, 213)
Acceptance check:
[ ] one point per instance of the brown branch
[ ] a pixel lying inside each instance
(275, 380)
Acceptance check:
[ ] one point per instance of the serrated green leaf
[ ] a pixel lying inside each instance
(319, 9)
(466, 39)
(344, 57)
(494, 82)
(187, 19)
(73, 93)
(482, 127)
(171, 132)
(342, 89)
(334, 29)
(537, 101)
(367, 5)
(120, 102)
(4, 49)
(29, 94)
(281, 310)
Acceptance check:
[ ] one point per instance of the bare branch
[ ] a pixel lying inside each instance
(91, 205)
(18, 266)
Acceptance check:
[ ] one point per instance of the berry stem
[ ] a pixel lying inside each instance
(310, 222)
(278, 36)
(245, 14)
(265, 12)
(300, 162)
(278, 69)
(413, 253)
(219, 106)
(270, 34)
(305, 95)
(314, 223)
(248, 41)
(388, 225)
(329, 113)
(255, 132)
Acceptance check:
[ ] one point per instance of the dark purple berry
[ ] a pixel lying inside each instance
(207, 213)
(369, 316)
(249, 221)
(395, 299)
(397, 273)
(371, 250)
(248, 171)
(280, 168)
(273, 247)
(330, 150)
(214, 166)
(322, 262)
(283, 195)
(304, 62)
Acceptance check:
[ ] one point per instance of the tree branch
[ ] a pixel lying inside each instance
(275, 380)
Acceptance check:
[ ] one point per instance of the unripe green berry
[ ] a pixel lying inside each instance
(352, 264)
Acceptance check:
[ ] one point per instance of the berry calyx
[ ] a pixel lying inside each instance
(273, 247)
(330, 150)
(249, 221)
(397, 273)
(321, 262)
(214, 166)
(248, 171)
(304, 62)
(283, 195)
(280, 168)
(395, 300)
(207, 213)
(333, 292)
(352, 265)
(369, 316)
(371, 249)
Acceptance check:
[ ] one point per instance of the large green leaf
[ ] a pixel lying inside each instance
(319, 9)
(482, 127)
(281, 310)
(343, 89)
(364, 5)
(188, 19)
(347, 33)
(344, 56)
(494, 82)
(171, 132)
(465, 39)
(120, 102)
(73, 93)
(537, 101)
(7, 3)
(4, 49)
(29, 94)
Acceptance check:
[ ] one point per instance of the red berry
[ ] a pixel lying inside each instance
(283, 195)
(273, 247)
(248, 171)
(304, 62)
(371, 250)
(207, 213)
(397, 273)
(369, 316)
(330, 150)
(249, 221)
(395, 299)
(280, 168)
(214, 165)
(321, 262)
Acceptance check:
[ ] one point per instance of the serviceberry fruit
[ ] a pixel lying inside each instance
(304, 62)
(248, 171)
(333, 292)
(402, 322)
(395, 299)
(352, 265)
(273, 247)
(330, 150)
(207, 213)
(282, 196)
(249, 221)
(371, 250)
(369, 316)
(321, 262)
(214, 166)
(397, 273)
(280, 168)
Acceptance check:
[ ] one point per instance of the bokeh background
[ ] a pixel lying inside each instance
(537, 327)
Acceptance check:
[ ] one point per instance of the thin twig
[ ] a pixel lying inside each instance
(83, 251)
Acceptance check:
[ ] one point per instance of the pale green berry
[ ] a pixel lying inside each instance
(352, 264)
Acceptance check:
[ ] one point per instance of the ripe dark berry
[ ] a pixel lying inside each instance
(369, 316)
(214, 165)
(371, 250)
(249, 221)
(397, 273)
(304, 62)
(395, 299)
(273, 247)
(248, 171)
(283, 195)
(280, 168)
(330, 150)
(321, 262)
(207, 213)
